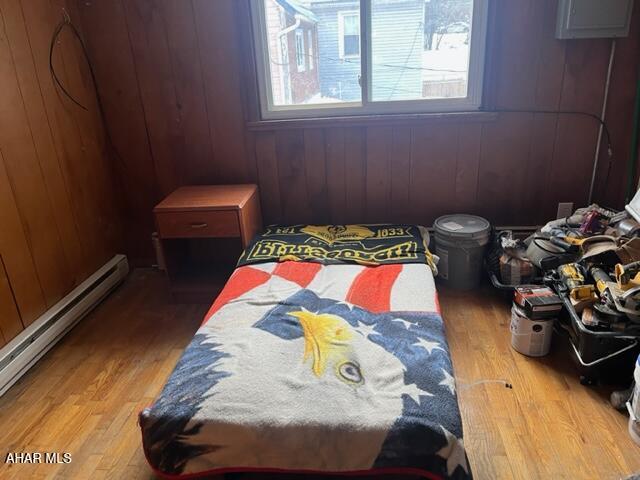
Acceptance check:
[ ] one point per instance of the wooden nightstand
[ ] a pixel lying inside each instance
(202, 231)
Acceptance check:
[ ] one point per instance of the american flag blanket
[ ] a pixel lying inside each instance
(305, 367)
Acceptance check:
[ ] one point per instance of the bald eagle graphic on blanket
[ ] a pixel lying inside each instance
(310, 384)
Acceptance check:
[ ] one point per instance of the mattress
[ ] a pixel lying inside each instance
(308, 367)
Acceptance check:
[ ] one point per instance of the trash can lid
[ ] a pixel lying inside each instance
(462, 225)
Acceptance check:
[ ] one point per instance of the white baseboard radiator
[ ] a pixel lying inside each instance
(33, 342)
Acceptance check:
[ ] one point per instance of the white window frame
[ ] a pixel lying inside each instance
(301, 64)
(341, 16)
(472, 102)
(312, 58)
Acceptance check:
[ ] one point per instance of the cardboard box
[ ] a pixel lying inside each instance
(537, 301)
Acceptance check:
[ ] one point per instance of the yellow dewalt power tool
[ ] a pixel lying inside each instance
(628, 276)
(572, 276)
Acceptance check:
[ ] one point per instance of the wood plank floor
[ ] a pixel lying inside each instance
(83, 397)
(548, 425)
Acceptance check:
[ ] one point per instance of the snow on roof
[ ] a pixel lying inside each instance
(294, 7)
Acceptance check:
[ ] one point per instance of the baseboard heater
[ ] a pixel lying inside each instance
(33, 342)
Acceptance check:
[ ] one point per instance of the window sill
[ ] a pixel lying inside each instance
(371, 120)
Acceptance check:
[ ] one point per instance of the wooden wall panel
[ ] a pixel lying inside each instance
(537, 195)
(513, 169)
(337, 184)
(355, 176)
(550, 59)
(613, 171)
(503, 168)
(57, 201)
(292, 175)
(28, 182)
(467, 167)
(188, 82)
(10, 322)
(400, 173)
(87, 169)
(105, 28)
(42, 136)
(577, 135)
(434, 151)
(18, 260)
(315, 180)
(378, 174)
(151, 56)
(518, 70)
(267, 165)
(218, 41)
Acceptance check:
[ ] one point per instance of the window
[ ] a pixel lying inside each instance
(372, 56)
(300, 62)
(312, 59)
(349, 34)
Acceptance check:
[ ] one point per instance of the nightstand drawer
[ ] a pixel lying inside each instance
(222, 223)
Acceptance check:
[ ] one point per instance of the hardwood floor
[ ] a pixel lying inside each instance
(549, 425)
(84, 396)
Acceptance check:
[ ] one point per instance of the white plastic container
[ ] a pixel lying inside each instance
(634, 406)
(460, 244)
(530, 337)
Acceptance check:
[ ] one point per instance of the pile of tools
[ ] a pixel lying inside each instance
(604, 304)
(592, 262)
(592, 259)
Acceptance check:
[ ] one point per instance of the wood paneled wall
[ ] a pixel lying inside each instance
(58, 210)
(174, 77)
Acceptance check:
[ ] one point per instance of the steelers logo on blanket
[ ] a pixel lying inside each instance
(363, 244)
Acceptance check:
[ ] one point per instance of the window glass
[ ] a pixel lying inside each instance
(311, 55)
(350, 35)
(294, 79)
(420, 51)
(300, 60)
(319, 58)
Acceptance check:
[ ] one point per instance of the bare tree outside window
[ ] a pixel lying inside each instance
(442, 17)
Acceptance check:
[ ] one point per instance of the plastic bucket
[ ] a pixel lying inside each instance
(461, 241)
(530, 337)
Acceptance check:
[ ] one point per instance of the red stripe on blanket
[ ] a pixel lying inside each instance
(389, 473)
(301, 273)
(242, 280)
(385, 472)
(371, 289)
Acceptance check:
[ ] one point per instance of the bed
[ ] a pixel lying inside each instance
(325, 353)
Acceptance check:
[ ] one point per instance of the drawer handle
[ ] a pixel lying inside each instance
(199, 225)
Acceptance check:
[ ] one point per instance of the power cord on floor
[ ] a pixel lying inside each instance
(466, 386)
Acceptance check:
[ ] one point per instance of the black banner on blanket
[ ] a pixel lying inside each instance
(362, 244)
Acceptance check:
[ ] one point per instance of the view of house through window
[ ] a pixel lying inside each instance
(420, 49)
(316, 55)
(310, 46)
(349, 36)
(301, 62)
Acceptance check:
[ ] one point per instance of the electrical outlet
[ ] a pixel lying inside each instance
(565, 209)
